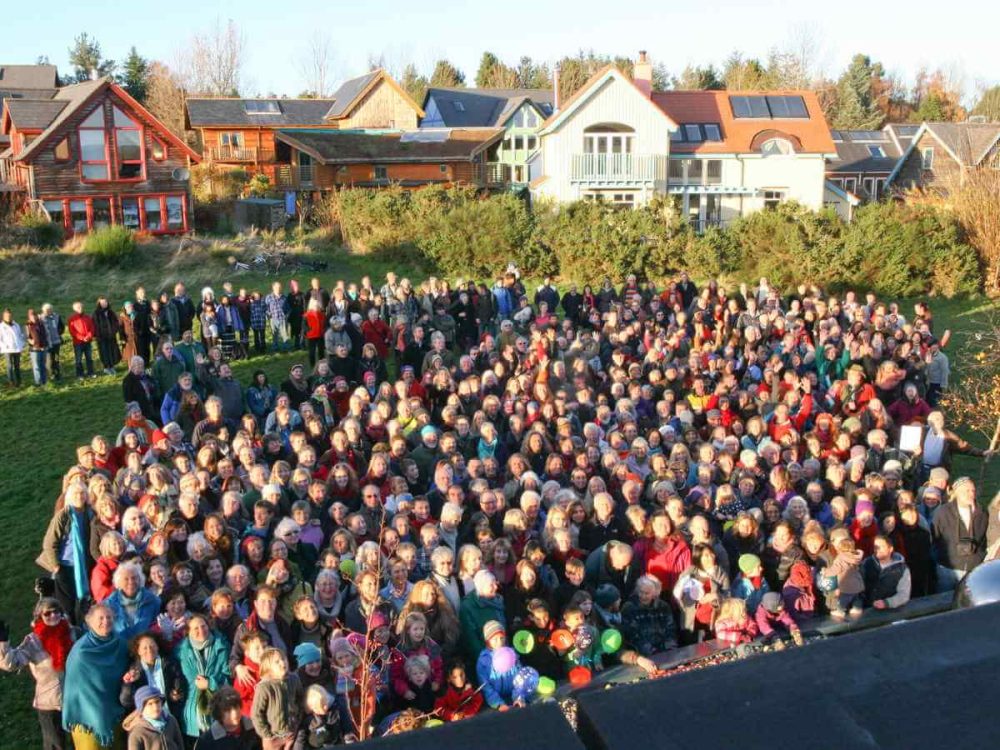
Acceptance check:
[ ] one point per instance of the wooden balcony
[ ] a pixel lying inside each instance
(493, 174)
(239, 154)
(293, 177)
(618, 169)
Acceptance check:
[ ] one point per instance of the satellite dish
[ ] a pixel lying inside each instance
(181, 174)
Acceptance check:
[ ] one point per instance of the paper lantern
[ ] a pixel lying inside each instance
(524, 642)
(434, 723)
(348, 568)
(579, 676)
(546, 686)
(562, 639)
(611, 641)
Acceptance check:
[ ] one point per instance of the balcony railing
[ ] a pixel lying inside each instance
(618, 169)
(492, 174)
(291, 176)
(239, 154)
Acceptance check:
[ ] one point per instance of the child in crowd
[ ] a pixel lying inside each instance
(460, 700)
(846, 567)
(773, 620)
(278, 701)
(734, 625)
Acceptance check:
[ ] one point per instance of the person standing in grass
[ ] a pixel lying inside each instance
(82, 332)
(277, 308)
(37, 347)
(54, 328)
(106, 325)
(11, 346)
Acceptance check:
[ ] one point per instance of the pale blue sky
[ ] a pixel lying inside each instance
(903, 36)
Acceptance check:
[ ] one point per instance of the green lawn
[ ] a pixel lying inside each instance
(40, 428)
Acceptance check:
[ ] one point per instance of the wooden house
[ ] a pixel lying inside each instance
(91, 156)
(241, 132)
(941, 153)
(520, 112)
(411, 159)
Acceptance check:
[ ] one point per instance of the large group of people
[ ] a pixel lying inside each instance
(464, 494)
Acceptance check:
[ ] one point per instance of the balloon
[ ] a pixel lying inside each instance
(524, 642)
(434, 723)
(583, 638)
(348, 568)
(562, 639)
(579, 676)
(611, 641)
(525, 683)
(546, 686)
(504, 660)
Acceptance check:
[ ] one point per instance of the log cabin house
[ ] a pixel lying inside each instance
(90, 155)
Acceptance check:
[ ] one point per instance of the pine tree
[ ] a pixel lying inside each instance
(413, 83)
(446, 75)
(487, 64)
(85, 57)
(531, 75)
(856, 108)
(697, 78)
(134, 77)
(661, 78)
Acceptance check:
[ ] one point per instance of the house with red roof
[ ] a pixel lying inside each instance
(718, 154)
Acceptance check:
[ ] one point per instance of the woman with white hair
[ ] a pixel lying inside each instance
(138, 387)
(134, 607)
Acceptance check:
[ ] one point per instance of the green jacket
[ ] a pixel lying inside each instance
(474, 613)
(277, 707)
(166, 371)
(214, 664)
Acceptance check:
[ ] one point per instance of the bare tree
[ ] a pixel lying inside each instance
(214, 60)
(316, 64)
(165, 97)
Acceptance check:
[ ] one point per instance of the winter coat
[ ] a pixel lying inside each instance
(733, 633)
(497, 687)
(846, 567)
(216, 738)
(142, 736)
(173, 680)
(277, 706)
(166, 371)
(598, 570)
(769, 622)
(648, 629)
(958, 547)
(890, 582)
(459, 704)
(48, 682)
(474, 613)
(81, 328)
(744, 589)
(146, 611)
(11, 338)
(664, 561)
(718, 584)
(214, 664)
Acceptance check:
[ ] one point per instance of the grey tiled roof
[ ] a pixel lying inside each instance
(348, 91)
(203, 113)
(485, 107)
(968, 140)
(34, 114)
(28, 77)
(854, 154)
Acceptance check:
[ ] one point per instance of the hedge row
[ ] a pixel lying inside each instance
(897, 249)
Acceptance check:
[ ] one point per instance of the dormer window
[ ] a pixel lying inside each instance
(776, 147)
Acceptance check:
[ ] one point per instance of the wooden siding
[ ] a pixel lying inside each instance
(945, 170)
(62, 178)
(382, 107)
(260, 139)
(616, 101)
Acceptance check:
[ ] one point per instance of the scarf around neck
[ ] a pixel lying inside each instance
(56, 640)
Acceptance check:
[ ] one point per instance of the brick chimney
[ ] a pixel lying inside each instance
(642, 74)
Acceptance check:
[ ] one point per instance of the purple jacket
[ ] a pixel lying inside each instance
(768, 622)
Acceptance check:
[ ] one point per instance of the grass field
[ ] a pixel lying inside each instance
(40, 428)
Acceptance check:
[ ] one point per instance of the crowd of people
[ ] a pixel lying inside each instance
(463, 495)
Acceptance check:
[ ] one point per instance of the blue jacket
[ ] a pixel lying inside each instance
(260, 401)
(146, 612)
(505, 301)
(214, 665)
(229, 316)
(171, 405)
(743, 589)
(498, 689)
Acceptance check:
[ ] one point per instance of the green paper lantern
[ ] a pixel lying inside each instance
(524, 642)
(611, 641)
(546, 686)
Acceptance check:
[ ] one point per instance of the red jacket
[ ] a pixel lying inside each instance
(315, 324)
(246, 690)
(459, 704)
(81, 328)
(379, 334)
(101, 586)
(665, 565)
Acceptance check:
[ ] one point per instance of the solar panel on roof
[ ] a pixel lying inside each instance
(758, 106)
(796, 106)
(740, 105)
(778, 106)
(837, 137)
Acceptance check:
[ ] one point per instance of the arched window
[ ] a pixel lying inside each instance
(776, 147)
(608, 138)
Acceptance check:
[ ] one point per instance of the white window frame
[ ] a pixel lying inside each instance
(772, 198)
(927, 157)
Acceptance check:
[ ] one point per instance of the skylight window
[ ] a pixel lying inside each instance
(459, 107)
(257, 107)
(692, 133)
(877, 151)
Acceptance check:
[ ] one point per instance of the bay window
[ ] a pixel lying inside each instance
(130, 213)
